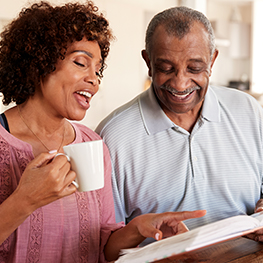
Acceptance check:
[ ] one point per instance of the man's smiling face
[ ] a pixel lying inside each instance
(180, 69)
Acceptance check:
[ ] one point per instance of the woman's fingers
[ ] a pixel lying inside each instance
(45, 181)
(172, 224)
(41, 159)
(182, 228)
(165, 224)
(181, 216)
(69, 175)
(179, 229)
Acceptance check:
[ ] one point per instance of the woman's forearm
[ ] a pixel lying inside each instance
(126, 237)
(13, 212)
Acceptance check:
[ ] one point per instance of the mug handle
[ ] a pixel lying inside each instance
(73, 182)
(63, 155)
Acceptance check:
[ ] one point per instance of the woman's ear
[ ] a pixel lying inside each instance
(147, 61)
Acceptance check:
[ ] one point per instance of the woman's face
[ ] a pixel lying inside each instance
(67, 91)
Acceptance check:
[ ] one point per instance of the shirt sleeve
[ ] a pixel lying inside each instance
(108, 222)
(118, 195)
(119, 201)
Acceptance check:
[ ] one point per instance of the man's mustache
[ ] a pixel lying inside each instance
(172, 90)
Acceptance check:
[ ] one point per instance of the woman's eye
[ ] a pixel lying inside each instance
(79, 64)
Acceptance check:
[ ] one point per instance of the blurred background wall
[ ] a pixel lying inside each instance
(237, 26)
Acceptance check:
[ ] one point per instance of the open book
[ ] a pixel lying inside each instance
(203, 236)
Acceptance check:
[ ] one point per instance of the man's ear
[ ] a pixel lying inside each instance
(147, 61)
(213, 61)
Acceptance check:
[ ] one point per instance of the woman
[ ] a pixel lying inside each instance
(51, 60)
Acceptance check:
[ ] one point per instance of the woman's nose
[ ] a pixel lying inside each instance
(92, 77)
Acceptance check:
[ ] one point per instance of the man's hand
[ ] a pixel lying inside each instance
(258, 235)
(259, 206)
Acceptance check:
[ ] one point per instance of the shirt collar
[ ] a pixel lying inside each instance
(155, 120)
(211, 107)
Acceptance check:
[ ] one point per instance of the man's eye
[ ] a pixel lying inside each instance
(79, 64)
(195, 70)
(165, 69)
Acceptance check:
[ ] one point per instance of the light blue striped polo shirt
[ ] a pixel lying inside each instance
(158, 166)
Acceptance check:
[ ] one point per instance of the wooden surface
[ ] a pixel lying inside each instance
(236, 251)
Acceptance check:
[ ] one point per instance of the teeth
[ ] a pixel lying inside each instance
(181, 96)
(84, 93)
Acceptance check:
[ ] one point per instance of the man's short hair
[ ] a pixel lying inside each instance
(177, 21)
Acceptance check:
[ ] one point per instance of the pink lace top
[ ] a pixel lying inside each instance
(72, 229)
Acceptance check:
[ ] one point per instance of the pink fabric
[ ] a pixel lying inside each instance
(72, 229)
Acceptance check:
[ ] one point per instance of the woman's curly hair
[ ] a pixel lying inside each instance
(31, 45)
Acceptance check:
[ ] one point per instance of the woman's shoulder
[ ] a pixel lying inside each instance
(84, 132)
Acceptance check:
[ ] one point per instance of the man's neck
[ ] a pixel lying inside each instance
(186, 120)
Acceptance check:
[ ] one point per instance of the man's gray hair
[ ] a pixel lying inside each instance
(177, 21)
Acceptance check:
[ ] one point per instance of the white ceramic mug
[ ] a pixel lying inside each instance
(87, 161)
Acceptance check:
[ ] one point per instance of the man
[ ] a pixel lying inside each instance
(182, 144)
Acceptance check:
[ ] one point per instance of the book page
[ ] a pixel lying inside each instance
(259, 217)
(196, 238)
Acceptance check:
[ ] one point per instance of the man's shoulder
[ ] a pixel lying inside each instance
(120, 115)
(228, 92)
(233, 97)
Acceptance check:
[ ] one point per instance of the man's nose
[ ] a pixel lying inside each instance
(180, 80)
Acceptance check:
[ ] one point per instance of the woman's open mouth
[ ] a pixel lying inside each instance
(83, 98)
(85, 93)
